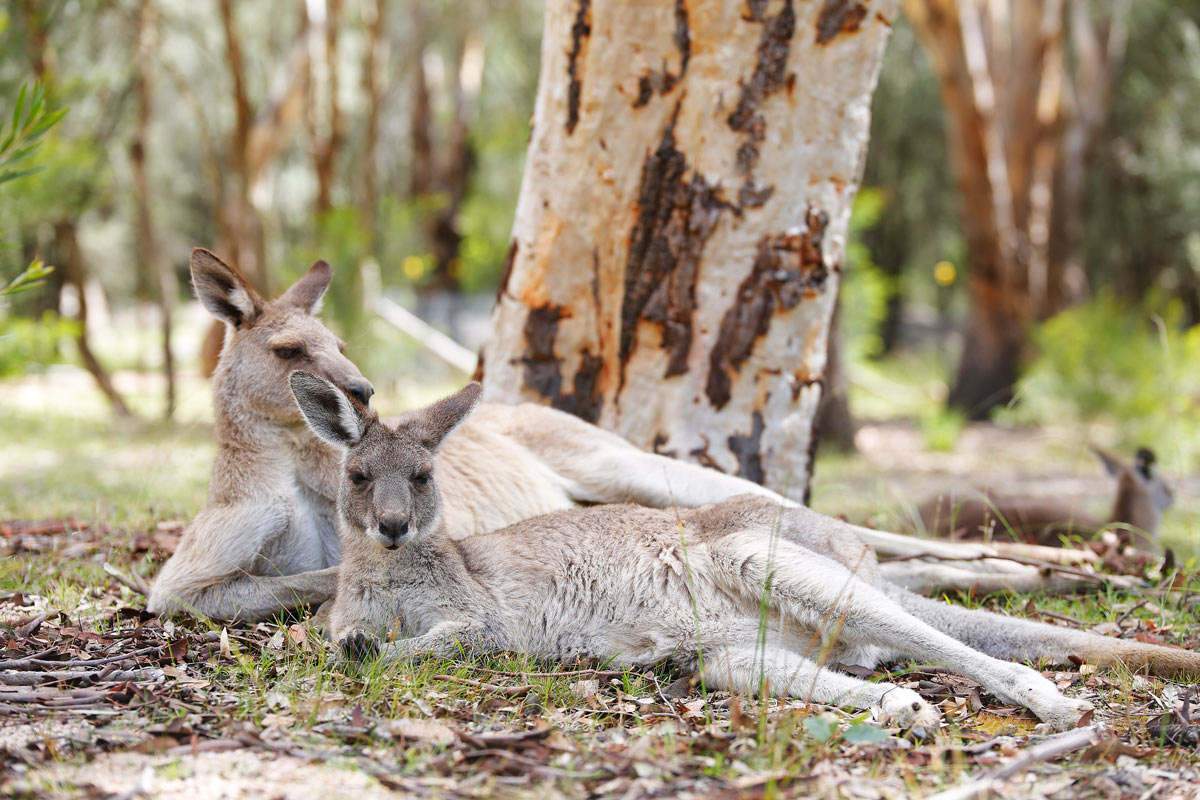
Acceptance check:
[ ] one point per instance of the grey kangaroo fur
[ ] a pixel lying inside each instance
(1141, 498)
(637, 586)
(265, 540)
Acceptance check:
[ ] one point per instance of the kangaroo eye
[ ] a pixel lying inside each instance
(288, 352)
(358, 478)
(421, 478)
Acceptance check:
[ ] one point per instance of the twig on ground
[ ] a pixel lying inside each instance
(594, 673)
(38, 663)
(507, 691)
(1051, 748)
(1119, 580)
(1063, 617)
(32, 678)
(1125, 616)
(132, 581)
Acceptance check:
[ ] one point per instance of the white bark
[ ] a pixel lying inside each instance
(680, 230)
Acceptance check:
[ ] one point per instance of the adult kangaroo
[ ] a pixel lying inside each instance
(265, 540)
(637, 586)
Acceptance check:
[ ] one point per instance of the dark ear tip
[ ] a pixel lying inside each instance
(321, 265)
(202, 256)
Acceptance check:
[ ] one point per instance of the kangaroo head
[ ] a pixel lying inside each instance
(267, 340)
(387, 492)
(1142, 494)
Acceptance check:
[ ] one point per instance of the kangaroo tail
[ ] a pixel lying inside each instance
(1015, 639)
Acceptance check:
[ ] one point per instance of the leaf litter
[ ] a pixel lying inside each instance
(100, 699)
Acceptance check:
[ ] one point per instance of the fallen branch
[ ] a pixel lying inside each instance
(998, 573)
(886, 543)
(927, 578)
(570, 673)
(1051, 748)
(31, 678)
(38, 663)
(507, 691)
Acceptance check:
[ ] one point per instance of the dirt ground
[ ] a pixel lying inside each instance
(98, 699)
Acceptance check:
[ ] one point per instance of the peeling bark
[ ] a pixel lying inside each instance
(788, 268)
(675, 250)
(580, 31)
(839, 16)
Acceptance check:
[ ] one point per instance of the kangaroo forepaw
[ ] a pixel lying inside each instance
(358, 646)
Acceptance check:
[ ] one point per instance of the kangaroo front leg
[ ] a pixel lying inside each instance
(444, 640)
(744, 669)
(815, 591)
(251, 598)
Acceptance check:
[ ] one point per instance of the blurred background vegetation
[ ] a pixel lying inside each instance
(389, 139)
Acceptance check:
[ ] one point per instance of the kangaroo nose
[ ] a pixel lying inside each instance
(361, 391)
(393, 528)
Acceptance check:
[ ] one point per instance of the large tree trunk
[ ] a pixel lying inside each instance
(680, 230)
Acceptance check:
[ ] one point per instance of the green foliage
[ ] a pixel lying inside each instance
(1106, 361)
(941, 426)
(31, 119)
(26, 342)
(867, 288)
(32, 277)
(820, 728)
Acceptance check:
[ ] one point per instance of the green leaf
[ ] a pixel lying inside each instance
(865, 734)
(47, 123)
(16, 120)
(820, 728)
(12, 174)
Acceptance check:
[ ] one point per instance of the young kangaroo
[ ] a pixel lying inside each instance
(638, 586)
(1142, 496)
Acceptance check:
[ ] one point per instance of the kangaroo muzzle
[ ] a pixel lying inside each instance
(392, 531)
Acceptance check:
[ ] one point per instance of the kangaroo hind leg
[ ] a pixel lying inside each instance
(783, 673)
(815, 592)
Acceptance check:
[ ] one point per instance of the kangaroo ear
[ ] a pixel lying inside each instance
(328, 412)
(432, 424)
(223, 290)
(1112, 465)
(307, 292)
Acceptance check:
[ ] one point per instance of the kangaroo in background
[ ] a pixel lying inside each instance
(1141, 498)
(637, 586)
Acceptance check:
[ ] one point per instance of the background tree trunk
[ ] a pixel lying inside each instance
(1020, 119)
(147, 242)
(680, 230)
